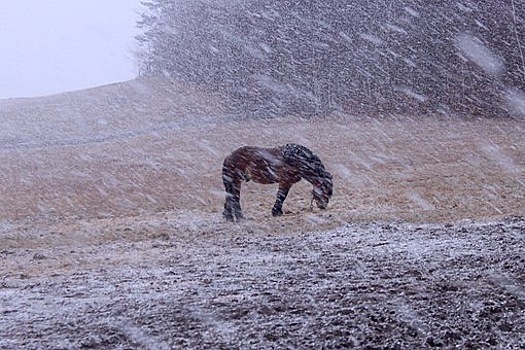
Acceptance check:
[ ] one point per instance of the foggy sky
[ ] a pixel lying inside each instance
(52, 46)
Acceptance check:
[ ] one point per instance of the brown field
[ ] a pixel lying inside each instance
(120, 185)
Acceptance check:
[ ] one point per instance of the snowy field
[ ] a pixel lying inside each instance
(111, 233)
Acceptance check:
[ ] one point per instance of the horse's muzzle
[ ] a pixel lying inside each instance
(320, 203)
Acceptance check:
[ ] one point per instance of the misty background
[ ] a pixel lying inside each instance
(321, 56)
(278, 58)
(54, 46)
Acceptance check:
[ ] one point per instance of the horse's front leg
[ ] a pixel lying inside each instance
(277, 209)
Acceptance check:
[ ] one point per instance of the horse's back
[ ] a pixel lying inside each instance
(252, 154)
(240, 157)
(259, 164)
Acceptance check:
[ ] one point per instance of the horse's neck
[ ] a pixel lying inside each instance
(310, 177)
(308, 163)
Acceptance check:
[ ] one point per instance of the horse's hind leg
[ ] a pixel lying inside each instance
(228, 209)
(232, 204)
(238, 211)
(236, 201)
(229, 201)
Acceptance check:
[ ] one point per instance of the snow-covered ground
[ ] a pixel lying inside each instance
(360, 285)
(111, 233)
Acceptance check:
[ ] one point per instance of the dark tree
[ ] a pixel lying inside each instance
(312, 57)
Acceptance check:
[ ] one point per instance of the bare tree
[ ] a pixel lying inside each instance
(295, 57)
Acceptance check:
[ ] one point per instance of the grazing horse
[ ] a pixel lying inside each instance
(285, 165)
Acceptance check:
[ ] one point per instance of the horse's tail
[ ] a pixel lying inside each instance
(227, 181)
(228, 212)
(230, 178)
(227, 177)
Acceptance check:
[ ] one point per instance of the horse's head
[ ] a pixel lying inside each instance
(322, 191)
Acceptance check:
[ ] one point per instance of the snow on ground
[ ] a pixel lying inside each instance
(111, 233)
(361, 285)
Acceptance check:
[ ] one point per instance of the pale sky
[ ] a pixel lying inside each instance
(53, 46)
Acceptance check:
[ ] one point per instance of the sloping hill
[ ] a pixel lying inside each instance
(111, 232)
(100, 113)
(146, 147)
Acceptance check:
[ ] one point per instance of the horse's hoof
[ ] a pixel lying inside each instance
(277, 213)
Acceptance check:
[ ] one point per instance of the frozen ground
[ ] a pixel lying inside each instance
(111, 234)
(361, 285)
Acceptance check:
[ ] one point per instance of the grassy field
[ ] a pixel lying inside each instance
(111, 232)
(134, 150)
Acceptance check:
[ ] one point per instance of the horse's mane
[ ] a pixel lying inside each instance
(304, 158)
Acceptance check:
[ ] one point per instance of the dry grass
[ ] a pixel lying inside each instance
(111, 233)
(92, 171)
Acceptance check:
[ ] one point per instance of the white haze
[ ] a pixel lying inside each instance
(53, 46)
(474, 50)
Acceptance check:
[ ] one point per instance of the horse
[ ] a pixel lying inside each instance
(285, 165)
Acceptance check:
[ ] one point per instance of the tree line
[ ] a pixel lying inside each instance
(314, 57)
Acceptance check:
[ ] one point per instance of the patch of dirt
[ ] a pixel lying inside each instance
(112, 236)
(361, 285)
